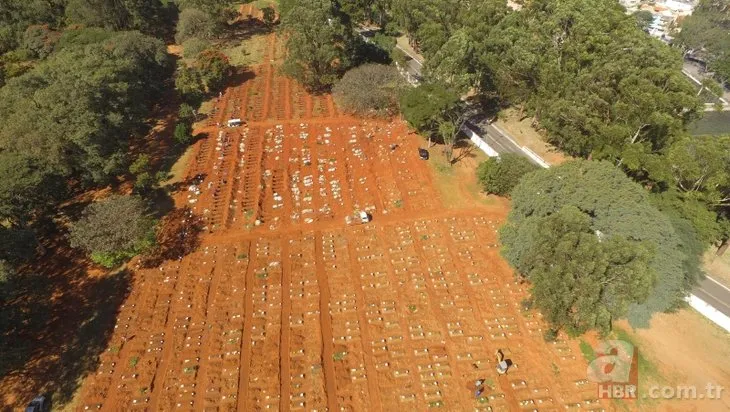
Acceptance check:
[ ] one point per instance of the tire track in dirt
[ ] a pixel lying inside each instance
(128, 345)
(331, 111)
(287, 101)
(474, 304)
(284, 382)
(245, 362)
(371, 174)
(326, 322)
(269, 70)
(168, 348)
(308, 106)
(361, 303)
(206, 345)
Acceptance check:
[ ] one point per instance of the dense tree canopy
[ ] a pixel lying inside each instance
(582, 280)
(321, 45)
(114, 229)
(424, 106)
(700, 167)
(615, 208)
(194, 23)
(382, 83)
(214, 69)
(27, 186)
(76, 110)
(144, 15)
(596, 83)
(707, 33)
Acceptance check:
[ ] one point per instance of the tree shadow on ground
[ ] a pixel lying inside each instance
(466, 150)
(57, 322)
(245, 28)
(160, 201)
(178, 235)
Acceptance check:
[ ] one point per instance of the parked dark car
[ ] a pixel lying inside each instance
(38, 404)
(423, 154)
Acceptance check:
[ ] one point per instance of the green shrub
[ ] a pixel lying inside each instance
(499, 175)
(193, 46)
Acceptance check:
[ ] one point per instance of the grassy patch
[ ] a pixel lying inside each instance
(177, 171)
(338, 356)
(587, 350)
(249, 52)
(444, 168)
(133, 361)
(648, 372)
(206, 107)
(647, 369)
(457, 184)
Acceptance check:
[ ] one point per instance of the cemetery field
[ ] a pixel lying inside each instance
(285, 306)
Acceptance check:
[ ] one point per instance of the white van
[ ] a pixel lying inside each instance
(234, 122)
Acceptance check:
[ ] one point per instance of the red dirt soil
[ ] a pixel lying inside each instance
(284, 306)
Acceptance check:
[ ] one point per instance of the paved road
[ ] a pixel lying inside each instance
(696, 71)
(712, 292)
(497, 140)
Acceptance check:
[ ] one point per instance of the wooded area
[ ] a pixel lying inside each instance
(79, 83)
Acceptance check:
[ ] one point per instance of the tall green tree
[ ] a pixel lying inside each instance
(644, 18)
(581, 279)
(214, 69)
(423, 106)
(435, 111)
(144, 15)
(700, 168)
(320, 43)
(114, 229)
(616, 208)
(195, 23)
